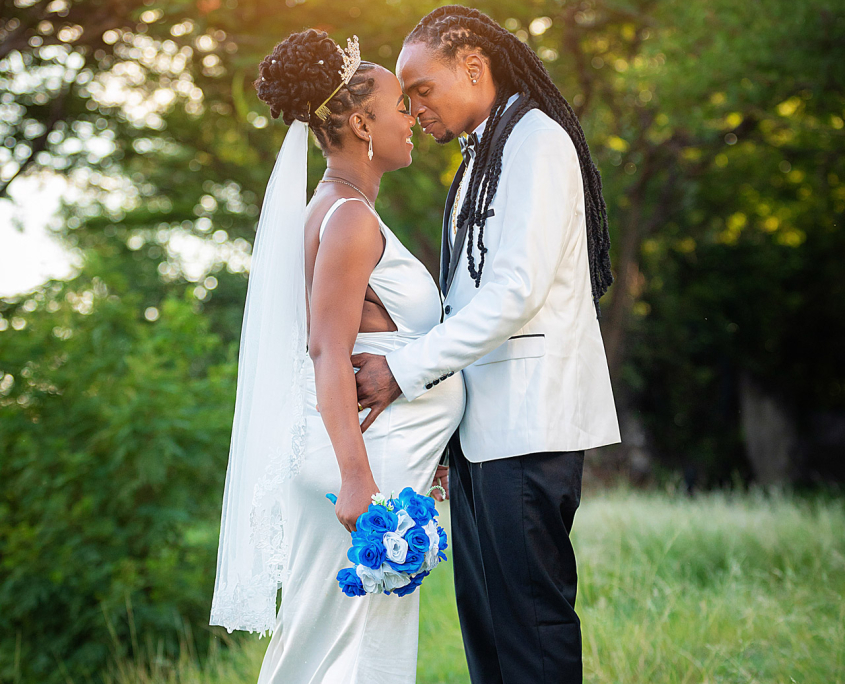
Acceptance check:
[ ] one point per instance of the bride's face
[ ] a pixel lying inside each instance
(391, 126)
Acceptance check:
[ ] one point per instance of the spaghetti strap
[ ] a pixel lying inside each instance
(333, 208)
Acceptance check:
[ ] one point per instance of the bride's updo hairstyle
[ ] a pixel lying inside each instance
(301, 72)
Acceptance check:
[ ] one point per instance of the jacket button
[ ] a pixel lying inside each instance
(436, 382)
(429, 386)
(448, 309)
(451, 373)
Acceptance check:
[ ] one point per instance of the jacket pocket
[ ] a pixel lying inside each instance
(517, 347)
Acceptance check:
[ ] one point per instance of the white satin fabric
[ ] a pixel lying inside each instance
(401, 282)
(322, 636)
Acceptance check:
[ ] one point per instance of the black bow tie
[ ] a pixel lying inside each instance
(469, 146)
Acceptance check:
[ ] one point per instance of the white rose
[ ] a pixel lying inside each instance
(393, 579)
(397, 548)
(406, 522)
(431, 560)
(433, 538)
(373, 580)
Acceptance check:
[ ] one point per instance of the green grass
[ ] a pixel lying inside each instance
(717, 589)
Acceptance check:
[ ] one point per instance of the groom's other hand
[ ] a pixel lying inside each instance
(377, 388)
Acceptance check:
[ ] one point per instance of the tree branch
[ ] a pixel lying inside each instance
(39, 144)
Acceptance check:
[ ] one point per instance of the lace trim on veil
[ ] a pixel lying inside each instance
(251, 604)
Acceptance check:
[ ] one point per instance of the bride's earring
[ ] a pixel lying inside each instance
(370, 151)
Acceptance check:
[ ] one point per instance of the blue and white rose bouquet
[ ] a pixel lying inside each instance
(396, 544)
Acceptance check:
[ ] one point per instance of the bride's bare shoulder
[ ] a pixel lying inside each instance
(346, 218)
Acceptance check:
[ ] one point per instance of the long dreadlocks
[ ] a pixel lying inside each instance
(515, 68)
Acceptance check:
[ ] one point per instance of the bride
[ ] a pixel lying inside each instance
(327, 280)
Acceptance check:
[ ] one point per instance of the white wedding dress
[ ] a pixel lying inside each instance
(322, 636)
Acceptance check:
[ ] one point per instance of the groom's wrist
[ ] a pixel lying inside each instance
(397, 363)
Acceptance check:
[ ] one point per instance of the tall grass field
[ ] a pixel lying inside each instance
(672, 590)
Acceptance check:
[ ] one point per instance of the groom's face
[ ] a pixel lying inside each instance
(440, 95)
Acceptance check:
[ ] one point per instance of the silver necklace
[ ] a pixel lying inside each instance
(354, 187)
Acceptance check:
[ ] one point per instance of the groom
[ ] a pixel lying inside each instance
(524, 262)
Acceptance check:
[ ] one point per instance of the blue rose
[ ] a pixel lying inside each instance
(367, 552)
(417, 539)
(412, 587)
(406, 495)
(429, 504)
(413, 562)
(359, 538)
(444, 544)
(376, 521)
(350, 583)
(420, 508)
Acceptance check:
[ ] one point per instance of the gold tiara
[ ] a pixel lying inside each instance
(351, 62)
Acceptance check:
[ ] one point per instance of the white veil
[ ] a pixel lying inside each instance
(268, 433)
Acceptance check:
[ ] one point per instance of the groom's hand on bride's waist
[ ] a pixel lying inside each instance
(377, 387)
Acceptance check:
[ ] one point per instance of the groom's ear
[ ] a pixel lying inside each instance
(359, 126)
(474, 65)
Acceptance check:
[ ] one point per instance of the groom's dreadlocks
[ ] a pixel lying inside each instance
(515, 68)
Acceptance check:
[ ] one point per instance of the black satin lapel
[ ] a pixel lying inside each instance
(458, 248)
(445, 249)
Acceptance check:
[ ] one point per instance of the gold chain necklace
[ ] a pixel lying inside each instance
(354, 187)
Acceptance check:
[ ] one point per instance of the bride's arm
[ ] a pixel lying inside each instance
(350, 248)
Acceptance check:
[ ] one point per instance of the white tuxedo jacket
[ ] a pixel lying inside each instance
(527, 340)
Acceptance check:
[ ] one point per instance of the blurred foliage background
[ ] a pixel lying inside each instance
(717, 126)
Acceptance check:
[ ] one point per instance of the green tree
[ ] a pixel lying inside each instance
(731, 272)
(114, 433)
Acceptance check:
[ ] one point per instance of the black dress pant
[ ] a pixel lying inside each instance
(515, 575)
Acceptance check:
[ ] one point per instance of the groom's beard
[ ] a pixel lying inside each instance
(447, 137)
